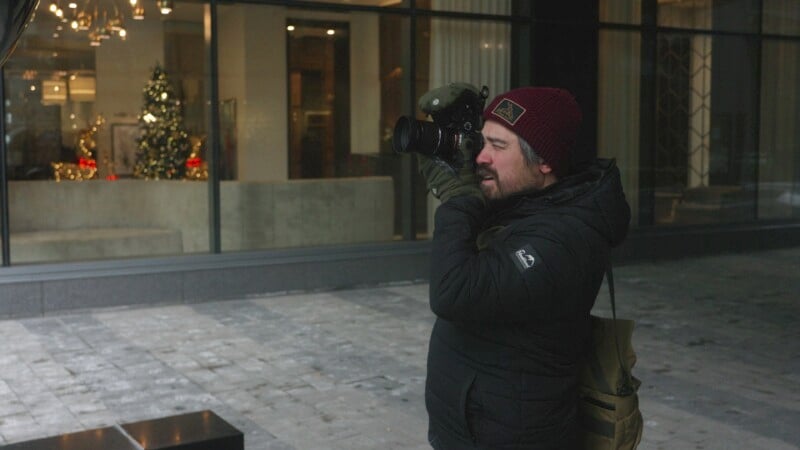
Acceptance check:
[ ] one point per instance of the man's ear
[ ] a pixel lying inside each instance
(545, 168)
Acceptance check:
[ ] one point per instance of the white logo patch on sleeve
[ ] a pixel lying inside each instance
(525, 258)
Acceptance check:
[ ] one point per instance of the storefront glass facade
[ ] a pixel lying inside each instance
(705, 138)
(112, 148)
(106, 120)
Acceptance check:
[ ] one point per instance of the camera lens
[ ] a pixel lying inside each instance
(412, 135)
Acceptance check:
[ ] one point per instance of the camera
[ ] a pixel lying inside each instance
(457, 113)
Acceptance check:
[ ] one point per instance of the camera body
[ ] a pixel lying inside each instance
(457, 113)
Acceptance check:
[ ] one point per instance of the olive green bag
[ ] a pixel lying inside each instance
(609, 404)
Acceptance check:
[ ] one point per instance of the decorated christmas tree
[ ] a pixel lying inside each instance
(164, 143)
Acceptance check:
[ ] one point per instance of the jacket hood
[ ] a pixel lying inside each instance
(594, 196)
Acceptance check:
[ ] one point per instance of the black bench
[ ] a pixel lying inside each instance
(105, 438)
(201, 430)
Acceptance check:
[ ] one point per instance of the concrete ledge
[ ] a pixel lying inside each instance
(254, 215)
(43, 289)
(93, 243)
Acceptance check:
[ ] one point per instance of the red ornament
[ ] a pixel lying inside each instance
(193, 162)
(87, 163)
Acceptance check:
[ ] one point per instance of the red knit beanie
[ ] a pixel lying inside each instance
(547, 118)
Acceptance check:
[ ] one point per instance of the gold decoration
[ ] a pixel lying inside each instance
(73, 172)
(85, 143)
(86, 167)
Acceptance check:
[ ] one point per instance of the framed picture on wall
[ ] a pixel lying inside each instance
(124, 147)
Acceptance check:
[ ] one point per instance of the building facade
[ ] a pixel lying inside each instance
(179, 151)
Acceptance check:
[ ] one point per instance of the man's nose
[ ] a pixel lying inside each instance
(483, 157)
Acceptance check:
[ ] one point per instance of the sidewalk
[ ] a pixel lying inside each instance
(717, 338)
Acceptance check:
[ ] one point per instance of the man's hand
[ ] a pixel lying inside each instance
(445, 182)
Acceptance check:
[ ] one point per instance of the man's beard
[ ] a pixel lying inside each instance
(482, 172)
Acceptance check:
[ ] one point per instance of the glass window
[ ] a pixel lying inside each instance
(621, 11)
(311, 164)
(618, 107)
(495, 7)
(779, 162)
(706, 150)
(99, 99)
(381, 3)
(781, 17)
(721, 15)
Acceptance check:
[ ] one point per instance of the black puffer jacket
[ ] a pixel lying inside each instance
(512, 316)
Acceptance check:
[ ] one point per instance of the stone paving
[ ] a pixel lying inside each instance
(717, 340)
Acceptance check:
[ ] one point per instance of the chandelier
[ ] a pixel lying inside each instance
(101, 19)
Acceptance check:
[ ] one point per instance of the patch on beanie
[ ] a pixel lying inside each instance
(509, 111)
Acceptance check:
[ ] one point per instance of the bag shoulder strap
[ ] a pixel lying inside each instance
(626, 386)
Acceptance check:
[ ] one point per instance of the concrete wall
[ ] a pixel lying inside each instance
(261, 215)
(306, 212)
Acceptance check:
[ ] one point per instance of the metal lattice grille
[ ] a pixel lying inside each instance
(699, 111)
(672, 110)
(683, 109)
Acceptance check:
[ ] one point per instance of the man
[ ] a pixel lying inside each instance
(519, 252)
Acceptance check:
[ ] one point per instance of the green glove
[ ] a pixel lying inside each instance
(445, 182)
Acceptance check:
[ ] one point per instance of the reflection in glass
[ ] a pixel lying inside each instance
(319, 99)
(779, 168)
(685, 13)
(380, 3)
(722, 15)
(781, 17)
(621, 11)
(312, 164)
(706, 154)
(74, 107)
(498, 7)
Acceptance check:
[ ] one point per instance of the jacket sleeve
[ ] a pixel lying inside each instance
(513, 280)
